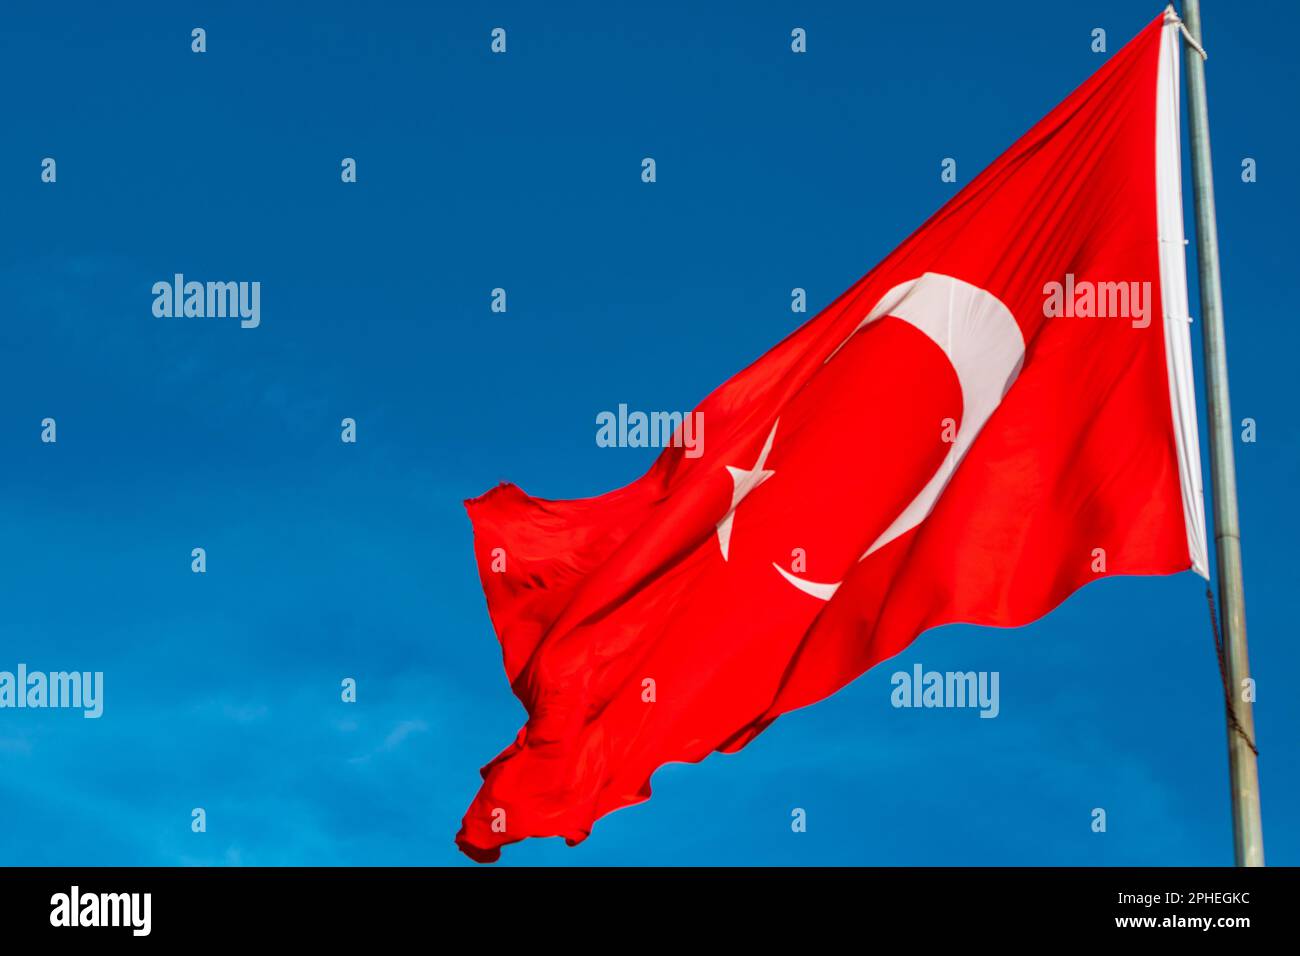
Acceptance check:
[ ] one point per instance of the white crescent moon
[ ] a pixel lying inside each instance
(983, 342)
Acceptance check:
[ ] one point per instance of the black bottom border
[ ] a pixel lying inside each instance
(532, 905)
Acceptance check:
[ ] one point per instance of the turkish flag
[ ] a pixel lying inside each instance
(999, 412)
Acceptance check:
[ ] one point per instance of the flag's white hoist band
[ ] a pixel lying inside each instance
(1173, 296)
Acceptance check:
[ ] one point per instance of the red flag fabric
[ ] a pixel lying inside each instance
(998, 413)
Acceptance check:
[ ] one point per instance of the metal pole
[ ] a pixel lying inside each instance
(1247, 829)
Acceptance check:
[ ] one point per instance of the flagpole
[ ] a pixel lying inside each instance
(1247, 827)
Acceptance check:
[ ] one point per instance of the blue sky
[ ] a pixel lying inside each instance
(328, 560)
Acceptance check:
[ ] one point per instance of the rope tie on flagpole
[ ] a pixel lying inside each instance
(1172, 17)
(1223, 673)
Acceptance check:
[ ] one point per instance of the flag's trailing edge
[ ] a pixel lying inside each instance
(997, 414)
(1173, 292)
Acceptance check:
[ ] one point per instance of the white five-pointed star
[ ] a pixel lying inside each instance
(746, 480)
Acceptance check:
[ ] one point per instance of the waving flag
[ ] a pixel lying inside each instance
(998, 413)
